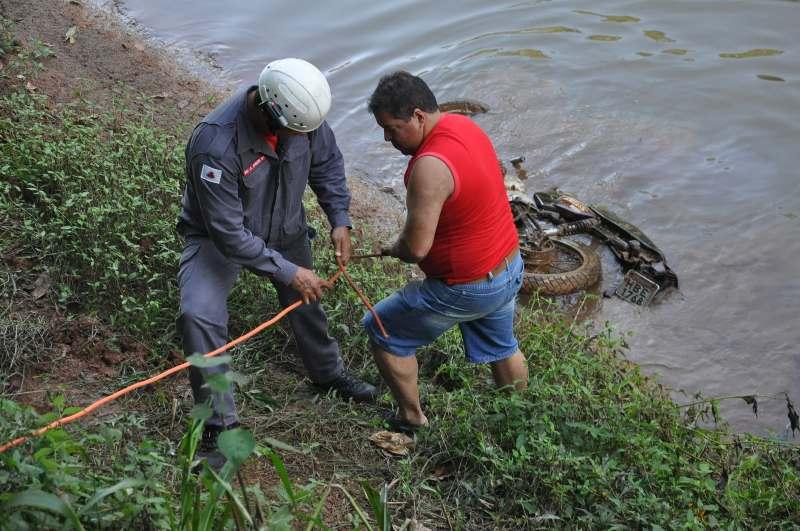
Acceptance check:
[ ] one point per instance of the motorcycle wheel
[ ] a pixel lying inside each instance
(572, 267)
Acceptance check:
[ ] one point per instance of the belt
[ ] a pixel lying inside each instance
(504, 263)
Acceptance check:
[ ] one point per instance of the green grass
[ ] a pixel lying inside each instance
(95, 198)
(92, 196)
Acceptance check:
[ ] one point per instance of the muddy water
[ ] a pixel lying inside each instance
(683, 117)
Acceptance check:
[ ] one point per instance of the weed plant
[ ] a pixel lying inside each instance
(94, 197)
(70, 479)
(8, 42)
(98, 478)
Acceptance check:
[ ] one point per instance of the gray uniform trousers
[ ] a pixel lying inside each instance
(205, 278)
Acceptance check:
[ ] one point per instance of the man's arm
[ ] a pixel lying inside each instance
(429, 186)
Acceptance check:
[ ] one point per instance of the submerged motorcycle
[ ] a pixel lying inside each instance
(555, 265)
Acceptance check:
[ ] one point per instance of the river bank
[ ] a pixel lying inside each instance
(109, 62)
(592, 443)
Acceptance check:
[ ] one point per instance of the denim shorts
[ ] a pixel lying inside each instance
(422, 311)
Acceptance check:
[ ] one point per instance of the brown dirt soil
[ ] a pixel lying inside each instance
(84, 359)
(107, 61)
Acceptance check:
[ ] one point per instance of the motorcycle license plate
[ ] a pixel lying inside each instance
(636, 288)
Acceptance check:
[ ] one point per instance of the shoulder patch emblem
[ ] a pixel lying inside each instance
(212, 175)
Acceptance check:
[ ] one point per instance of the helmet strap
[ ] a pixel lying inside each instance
(273, 112)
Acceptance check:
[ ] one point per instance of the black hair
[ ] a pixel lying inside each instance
(399, 93)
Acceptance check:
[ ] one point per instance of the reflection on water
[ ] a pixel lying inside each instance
(637, 106)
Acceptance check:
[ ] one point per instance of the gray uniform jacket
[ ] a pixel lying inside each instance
(247, 198)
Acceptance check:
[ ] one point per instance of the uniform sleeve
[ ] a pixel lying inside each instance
(327, 179)
(217, 191)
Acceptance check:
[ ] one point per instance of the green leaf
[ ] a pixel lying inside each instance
(202, 362)
(232, 495)
(280, 445)
(102, 493)
(380, 506)
(237, 378)
(263, 399)
(218, 383)
(281, 520)
(280, 468)
(58, 402)
(236, 445)
(201, 412)
(44, 501)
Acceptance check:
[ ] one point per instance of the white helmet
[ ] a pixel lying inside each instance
(295, 93)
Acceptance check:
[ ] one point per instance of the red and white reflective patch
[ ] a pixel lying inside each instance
(212, 175)
(254, 165)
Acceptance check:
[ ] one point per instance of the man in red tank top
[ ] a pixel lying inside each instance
(460, 231)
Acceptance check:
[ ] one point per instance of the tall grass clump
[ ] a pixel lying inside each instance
(99, 478)
(94, 197)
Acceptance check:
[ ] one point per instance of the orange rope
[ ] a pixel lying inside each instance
(169, 372)
(364, 300)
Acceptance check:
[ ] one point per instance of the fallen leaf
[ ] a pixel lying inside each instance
(394, 443)
(41, 285)
(30, 87)
(413, 524)
(69, 36)
(441, 472)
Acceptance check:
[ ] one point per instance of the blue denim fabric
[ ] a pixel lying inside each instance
(422, 311)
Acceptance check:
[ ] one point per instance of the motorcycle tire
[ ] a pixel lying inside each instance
(577, 268)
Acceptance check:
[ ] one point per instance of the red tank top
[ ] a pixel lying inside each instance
(476, 228)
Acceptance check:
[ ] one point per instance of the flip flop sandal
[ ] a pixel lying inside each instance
(396, 424)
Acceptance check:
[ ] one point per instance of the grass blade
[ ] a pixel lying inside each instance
(232, 495)
(100, 494)
(355, 506)
(315, 518)
(45, 501)
(379, 503)
(280, 468)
